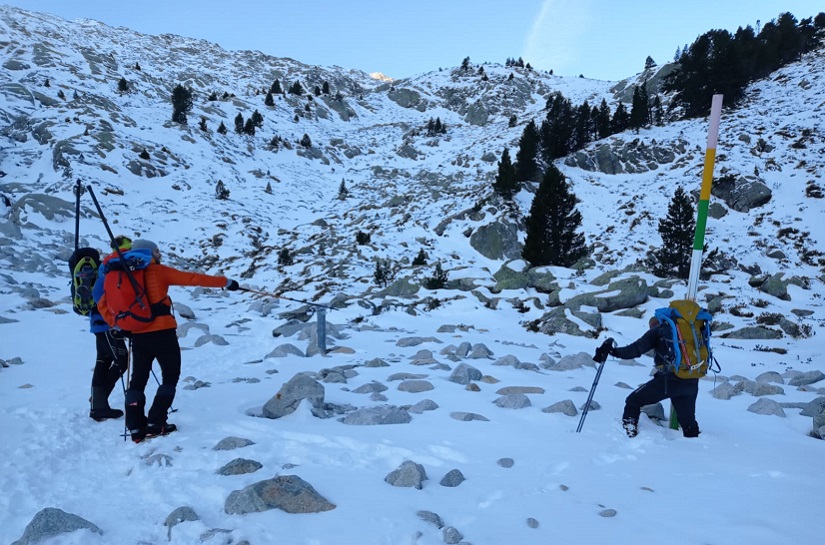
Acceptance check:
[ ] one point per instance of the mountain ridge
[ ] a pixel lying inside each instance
(431, 193)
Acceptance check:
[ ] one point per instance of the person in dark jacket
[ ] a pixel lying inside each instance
(664, 384)
(112, 358)
(158, 341)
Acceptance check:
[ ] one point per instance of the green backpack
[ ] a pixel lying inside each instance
(83, 265)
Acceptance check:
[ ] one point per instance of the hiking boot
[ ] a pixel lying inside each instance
(138, 435)
(102, 414)
(153, 430)
(631, 427)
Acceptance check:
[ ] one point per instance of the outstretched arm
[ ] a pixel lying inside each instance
(637, 348)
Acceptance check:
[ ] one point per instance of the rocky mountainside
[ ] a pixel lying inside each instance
(65, 117)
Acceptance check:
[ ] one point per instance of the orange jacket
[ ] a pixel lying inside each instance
(158, 278)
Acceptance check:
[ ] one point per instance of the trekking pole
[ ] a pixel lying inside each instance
(275, 295)
(592, 391)
(125, 383)
(78, 190)
(171, 409)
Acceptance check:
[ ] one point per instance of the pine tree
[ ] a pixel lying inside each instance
(658, 112)
(636, 119)
(269, 101)
(285, 257)
(558, 128)
(526, 167)
(649, 63)
(420, 259)
(275, 88)
(465, 64)
(306, 141)
(583, 130)
(296, 89)
(505, 183)
(222, 128)
(438, 280)
(137, 67)
(382, 273)
(552, 237)
(621, 119)
(239, 123)
(343, 192)
(325, 88)
(677, 232)
(249, 127)
(181, 104)
(221, 192)
(123, 86)
(202, 124)
(603, 120)
(257, 119)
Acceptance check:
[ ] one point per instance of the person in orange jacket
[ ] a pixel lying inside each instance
(159, 341)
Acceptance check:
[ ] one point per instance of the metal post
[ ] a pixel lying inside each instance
(321, 314)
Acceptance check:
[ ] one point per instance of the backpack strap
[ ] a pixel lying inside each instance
(665, 316)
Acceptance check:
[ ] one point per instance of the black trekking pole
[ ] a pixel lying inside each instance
(275, 295)
(78, 190)
(125, 383)
(593, 388)
(171, 409)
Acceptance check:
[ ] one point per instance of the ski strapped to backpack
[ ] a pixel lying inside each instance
(687, 334)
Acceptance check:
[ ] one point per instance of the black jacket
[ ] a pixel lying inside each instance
(653, 339)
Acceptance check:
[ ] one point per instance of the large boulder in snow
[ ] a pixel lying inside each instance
(288, 493)
(288, 398)
(51, 522)
(742, 193)
(497, 241)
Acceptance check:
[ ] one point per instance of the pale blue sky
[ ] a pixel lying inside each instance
(602, 39)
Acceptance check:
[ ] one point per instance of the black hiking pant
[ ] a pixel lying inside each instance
(146, 348)
(681, 392)
(110, 363)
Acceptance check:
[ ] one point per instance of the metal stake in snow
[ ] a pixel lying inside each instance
(702, 214)
(704, 198)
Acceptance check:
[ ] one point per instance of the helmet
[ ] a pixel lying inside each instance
(122, 243)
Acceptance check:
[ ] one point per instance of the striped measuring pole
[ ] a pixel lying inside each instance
(704, 198)
(702, 213)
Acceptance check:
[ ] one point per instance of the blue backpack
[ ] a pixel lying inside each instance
(687, 332)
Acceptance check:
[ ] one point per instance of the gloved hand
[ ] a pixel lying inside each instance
(232, 285)
(605, 350)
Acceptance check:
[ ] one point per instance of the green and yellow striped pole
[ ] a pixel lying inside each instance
(704, 198)
(702, 213)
